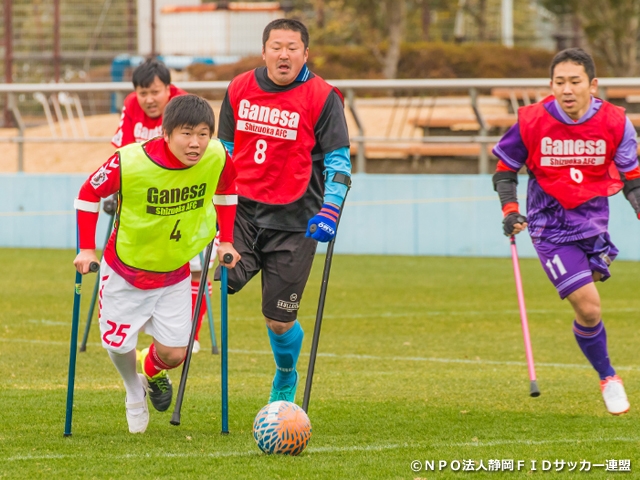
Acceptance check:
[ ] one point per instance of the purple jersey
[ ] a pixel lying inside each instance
(548, 220)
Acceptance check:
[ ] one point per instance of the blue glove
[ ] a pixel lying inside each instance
(322, 227)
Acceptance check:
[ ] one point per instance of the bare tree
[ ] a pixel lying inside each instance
(382, 22)
(319, 9)
(425, 18)
(478, 12)
(396, 13)
(611, 27)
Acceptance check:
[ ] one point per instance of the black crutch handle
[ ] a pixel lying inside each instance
(227, 258)
(94, 267)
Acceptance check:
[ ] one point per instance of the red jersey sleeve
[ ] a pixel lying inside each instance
(124, 134)
(502, 167)
(102, 183)
(632, 174)
(226, 200)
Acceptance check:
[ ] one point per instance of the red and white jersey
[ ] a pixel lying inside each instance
(105, 181)
(135, 125)
(274, 137)
(573, 163)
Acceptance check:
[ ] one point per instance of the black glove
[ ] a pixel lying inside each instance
(632, 192)
(110, 204)
(509, 222)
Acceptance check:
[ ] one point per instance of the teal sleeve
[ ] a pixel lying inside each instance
(337, 161)
(228, 147)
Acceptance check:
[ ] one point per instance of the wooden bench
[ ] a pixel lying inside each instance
(527, 94)
(619, 92)
(464, 123)
(531, 95)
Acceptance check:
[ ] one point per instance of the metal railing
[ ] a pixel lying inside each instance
(350, 88)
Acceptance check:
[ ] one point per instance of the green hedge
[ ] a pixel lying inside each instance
(418, 60)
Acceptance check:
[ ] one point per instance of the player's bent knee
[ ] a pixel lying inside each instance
(279, 326)
(173, 356)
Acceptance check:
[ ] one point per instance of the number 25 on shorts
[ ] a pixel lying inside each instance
(115, 332)
(261, 151)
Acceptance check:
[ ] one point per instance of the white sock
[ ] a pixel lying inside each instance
(125, 363)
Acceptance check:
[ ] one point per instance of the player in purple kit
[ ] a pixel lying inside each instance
(578, 150)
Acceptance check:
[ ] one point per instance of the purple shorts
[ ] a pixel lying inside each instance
(570, 266)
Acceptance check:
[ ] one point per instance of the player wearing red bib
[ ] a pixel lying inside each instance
(142, 111)
(286, 132)
(578, 150)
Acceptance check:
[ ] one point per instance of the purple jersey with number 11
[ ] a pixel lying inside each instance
(548, 220)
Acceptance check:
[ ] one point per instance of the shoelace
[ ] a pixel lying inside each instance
(162, 383)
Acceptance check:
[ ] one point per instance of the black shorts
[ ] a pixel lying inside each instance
(285, 259)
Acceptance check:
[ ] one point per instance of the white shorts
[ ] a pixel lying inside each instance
(195, 265)
(164, 313)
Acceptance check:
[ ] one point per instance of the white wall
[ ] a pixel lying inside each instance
(443, 215)
(144, 21)
(213, 33)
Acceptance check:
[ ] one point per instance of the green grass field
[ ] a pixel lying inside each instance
(420, 359)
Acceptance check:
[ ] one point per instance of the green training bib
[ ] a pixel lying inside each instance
(166, 216)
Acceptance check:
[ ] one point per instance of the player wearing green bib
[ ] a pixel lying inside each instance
(173, 191)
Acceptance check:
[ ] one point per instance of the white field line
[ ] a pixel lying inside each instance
(435, 313)
(351, 356)
(37, 214)
(319, 450)
(422, 313)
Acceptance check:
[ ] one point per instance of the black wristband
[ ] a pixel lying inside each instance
(631, 185)
(506, 176)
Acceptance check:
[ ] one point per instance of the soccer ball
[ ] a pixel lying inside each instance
(282, 427)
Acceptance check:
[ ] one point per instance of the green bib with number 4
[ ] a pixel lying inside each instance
(166, 215)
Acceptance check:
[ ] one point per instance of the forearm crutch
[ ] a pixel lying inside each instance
(534, 390)
(73, 344)
(175, 418)
(207, 297)
(94, 296)
(321, 301)
(224, 340)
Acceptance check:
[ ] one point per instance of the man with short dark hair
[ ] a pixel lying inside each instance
(576, 147)
(142, 111)
(286, 132)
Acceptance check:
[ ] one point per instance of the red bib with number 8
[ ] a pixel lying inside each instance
(573, 163)
(274, 136)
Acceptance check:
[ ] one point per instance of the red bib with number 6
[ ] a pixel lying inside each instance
(573, 162)
(274, 137)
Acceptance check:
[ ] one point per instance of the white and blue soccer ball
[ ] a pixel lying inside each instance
(282, 427)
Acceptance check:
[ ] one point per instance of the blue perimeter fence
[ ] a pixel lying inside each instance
(439, 215)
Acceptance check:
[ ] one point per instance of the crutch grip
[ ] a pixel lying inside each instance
(94, 267)
(227, 258)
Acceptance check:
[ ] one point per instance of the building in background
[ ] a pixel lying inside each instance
(192, 28)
